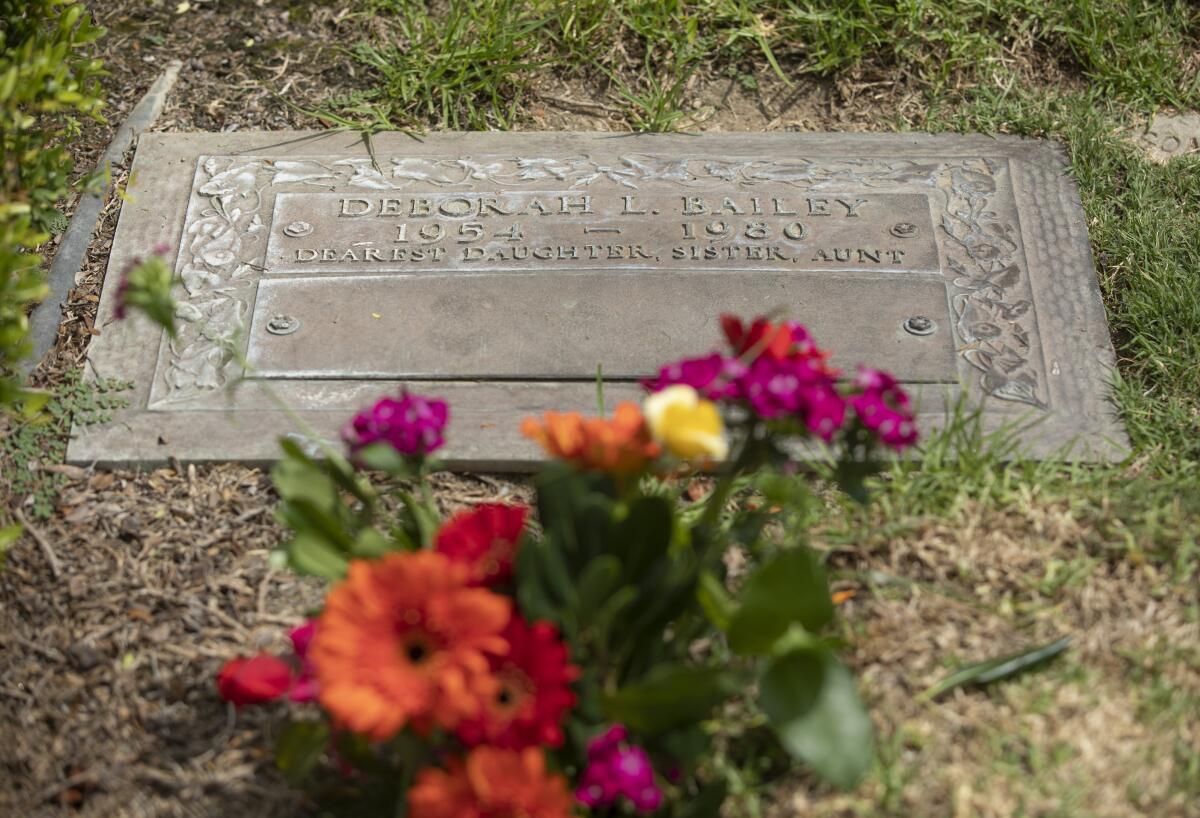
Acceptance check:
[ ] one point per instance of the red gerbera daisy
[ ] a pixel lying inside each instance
(534, 690)
(485, 539)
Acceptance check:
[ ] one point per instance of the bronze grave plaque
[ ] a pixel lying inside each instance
(501, 270)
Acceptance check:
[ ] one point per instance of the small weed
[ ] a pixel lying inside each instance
(463, 69)
(42, 440)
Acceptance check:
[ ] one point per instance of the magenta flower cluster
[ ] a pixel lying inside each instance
(884, 408)
(617, 769)
(777, 371)
(411, 424)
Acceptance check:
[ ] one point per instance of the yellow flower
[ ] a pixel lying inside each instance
(690, 428)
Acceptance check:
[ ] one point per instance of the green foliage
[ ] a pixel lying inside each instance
(146, 287)
(337, 515)
(41, 440)
(299, 747)
(45, 80)
(812, 702)
(617, 571)
(670, 697)
(788, 589)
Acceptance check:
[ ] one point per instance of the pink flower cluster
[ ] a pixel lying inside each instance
(778, 371)
(884, 408)
(618, 769)
(411, 424)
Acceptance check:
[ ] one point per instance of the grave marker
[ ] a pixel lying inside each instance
(1169, 136)
(499, 270)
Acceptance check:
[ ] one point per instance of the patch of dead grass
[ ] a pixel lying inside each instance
(1078, 738)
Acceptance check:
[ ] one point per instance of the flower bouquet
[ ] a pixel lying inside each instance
(489, 665)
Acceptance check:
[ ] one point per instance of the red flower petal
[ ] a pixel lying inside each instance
(535, 691)
(485, 539)
(772, 340)
(254, 680)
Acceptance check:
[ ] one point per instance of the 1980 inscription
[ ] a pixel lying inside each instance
(433, 230)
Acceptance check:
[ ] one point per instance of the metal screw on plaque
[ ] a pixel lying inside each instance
(919, 325)
(298, 229)
(904, 230)
(283, 325)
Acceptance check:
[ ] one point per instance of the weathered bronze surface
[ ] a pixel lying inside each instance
(501, 270)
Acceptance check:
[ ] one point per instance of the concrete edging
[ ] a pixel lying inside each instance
(46, 316)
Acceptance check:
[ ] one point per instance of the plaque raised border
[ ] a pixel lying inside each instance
(1027, 326)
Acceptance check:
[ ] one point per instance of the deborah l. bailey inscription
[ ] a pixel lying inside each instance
(519, 231)
(501, 270)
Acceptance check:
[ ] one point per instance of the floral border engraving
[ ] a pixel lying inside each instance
(223, 246)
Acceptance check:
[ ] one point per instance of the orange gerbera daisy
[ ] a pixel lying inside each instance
(404, 638)
(492, 783)
(618, 445)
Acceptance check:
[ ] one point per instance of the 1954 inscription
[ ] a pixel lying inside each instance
(537, 230)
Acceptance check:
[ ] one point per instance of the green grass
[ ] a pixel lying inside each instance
(469, 63)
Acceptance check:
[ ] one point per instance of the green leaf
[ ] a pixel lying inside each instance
(596, 585)
(310, 554)
(851, 477)
(420, 522)
(9, 535)
(299, 747)
(644, 536)
(670, 696)
(790, 492)
(788, 588)
(718, 605)
(313, 518)
(686, 745)
(706, 803)
(558, 493)
(370, 544)
(302, 479)
(385, 458)
(555, 573)
(535, 603)
(574, 512)
(810, 700)
(993, 670)
(615, 606)
(32, 401)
